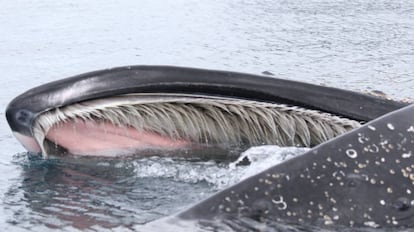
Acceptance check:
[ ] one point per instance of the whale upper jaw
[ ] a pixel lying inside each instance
(24, 111)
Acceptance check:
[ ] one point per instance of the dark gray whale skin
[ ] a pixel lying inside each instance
(23, 110)
(364, 178)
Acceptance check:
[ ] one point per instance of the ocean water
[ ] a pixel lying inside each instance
(361, 45)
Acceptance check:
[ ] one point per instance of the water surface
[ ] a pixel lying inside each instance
(358, 45)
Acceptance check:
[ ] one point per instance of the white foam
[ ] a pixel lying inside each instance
(218, 175)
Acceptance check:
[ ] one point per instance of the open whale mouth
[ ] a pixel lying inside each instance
(130, 109)
(127, 123)
(360, 179)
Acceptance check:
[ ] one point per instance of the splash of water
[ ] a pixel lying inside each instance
(219, 175)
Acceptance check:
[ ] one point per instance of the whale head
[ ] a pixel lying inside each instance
(126, 109)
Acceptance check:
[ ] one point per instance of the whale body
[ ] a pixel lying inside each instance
(364, 178)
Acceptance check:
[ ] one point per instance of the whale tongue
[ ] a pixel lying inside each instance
(105, 139)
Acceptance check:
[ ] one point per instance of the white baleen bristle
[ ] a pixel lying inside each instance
(207, 120)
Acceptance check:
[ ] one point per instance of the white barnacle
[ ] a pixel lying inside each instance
(410, 129)
(384, 143)
(405, 173)
(268, 182)
(407, 155)
(374, 148)
(362, 139)
(320, 207)
(351, 153)
(328, 220)
(390, 126)
(382, 202)
(340, 172)
(371, 224)
(361, 165)
(281, 204)
(372, 128)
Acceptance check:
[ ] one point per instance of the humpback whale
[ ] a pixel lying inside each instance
(359, 172)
